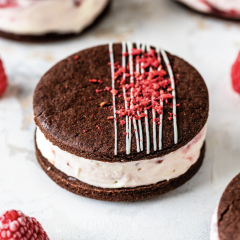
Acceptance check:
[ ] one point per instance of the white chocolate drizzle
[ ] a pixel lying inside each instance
(129, 119)
(154, 117)
(124, 94)
(130, 46)
(139, 121)
(139, 137)
(170, 72)
(113, 87)
(161, 103)
(146, 112)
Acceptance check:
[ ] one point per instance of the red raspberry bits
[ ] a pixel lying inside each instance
(14, 225)
(136, 51)
(93, 80)
(3, 79)
(122, 122)
(114, 92)
(102, 104)
(98, 90)
(235, 74)
(141, 91)
(107, 88)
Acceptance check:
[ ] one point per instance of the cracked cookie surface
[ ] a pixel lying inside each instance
(229, 211)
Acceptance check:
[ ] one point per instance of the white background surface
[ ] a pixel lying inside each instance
(211, 45)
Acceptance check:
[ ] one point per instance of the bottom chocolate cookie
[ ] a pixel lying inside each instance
(36, 39)
(112, 194)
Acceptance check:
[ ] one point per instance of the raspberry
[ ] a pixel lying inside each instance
(3, 79)
(8, 3)
(14, 225)
(236, 75)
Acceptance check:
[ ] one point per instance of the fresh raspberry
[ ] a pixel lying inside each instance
(8, 3)
(236, 74)
(3, 79)
(14, 225)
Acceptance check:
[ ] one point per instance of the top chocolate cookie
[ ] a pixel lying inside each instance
(110, 102)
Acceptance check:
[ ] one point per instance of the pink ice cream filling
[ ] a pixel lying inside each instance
(123, 174)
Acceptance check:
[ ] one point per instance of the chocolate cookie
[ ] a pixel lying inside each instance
(228, 211)
(120, 116)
